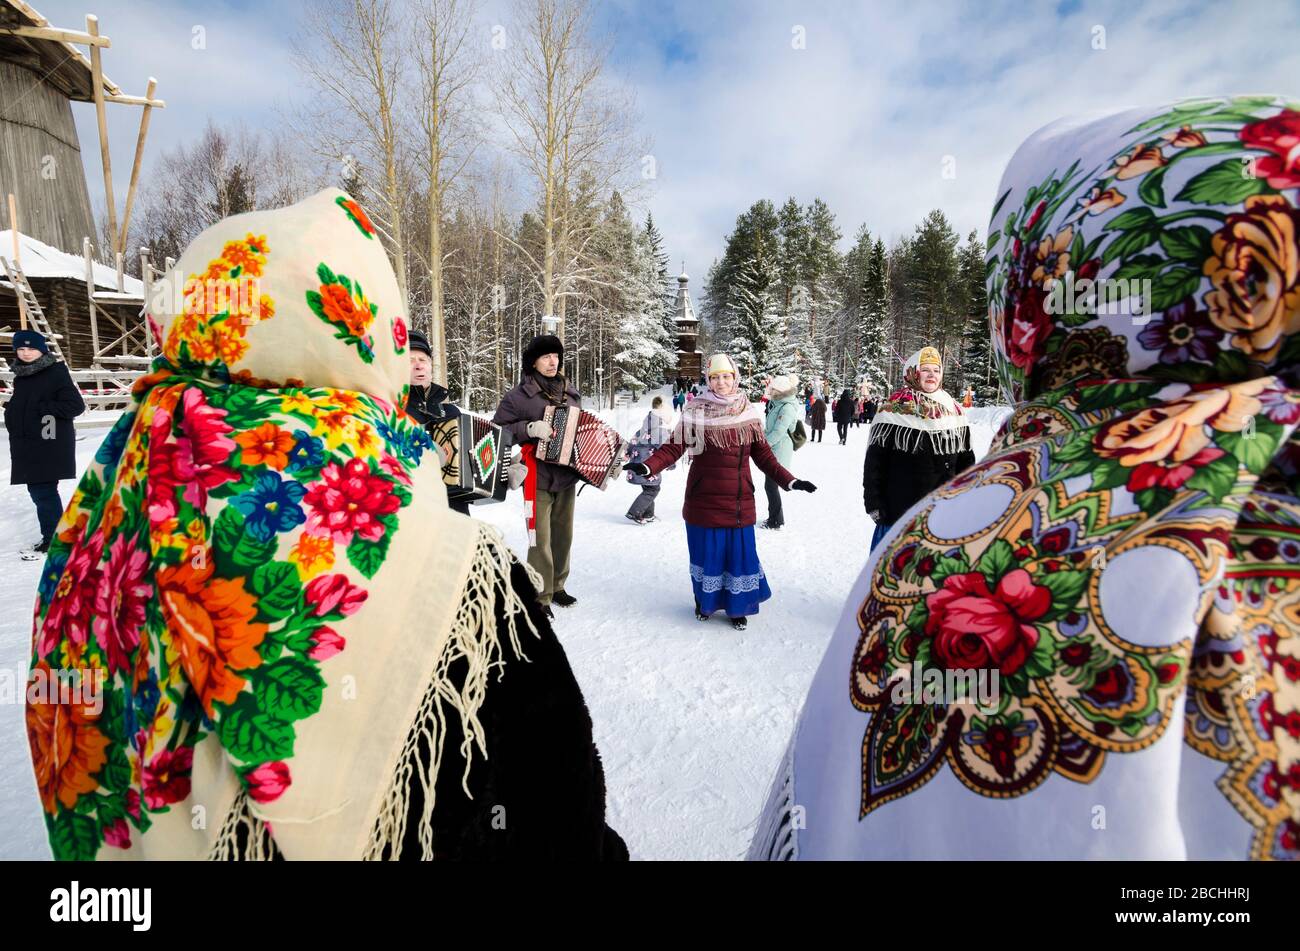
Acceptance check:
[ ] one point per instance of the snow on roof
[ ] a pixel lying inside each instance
(39, 260)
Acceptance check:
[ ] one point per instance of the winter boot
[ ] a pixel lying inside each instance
(564, 599)
(35, 552)
(700, 615)
(739, 623)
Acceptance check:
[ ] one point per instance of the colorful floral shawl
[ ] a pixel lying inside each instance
(1125, 560)
(260, 568)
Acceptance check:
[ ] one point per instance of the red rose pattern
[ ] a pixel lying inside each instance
(973, 627)
(349, 500)
(1281, 136)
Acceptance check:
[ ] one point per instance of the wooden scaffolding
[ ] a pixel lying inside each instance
(41, 72)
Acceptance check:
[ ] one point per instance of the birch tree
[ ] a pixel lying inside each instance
(573, 135)
(352, 54)
(447, 67)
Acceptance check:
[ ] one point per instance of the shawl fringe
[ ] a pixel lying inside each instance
(909, 438)
(474, 638)
(253, 845)
(712, 421)
(775, 840)
(722, 437)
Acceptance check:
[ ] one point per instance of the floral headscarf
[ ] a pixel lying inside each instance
(1125, 560)
(912, 418)
(260, 567)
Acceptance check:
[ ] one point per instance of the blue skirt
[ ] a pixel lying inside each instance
(725, 572)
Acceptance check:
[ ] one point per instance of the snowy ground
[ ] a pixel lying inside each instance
(690, 718)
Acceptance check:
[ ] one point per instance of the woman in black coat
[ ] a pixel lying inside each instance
(535, 723)
(920, 439)
(818, 419)
(42, 439)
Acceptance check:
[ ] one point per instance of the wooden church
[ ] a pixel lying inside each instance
(689, 359)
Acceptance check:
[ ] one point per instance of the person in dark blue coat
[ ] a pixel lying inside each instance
(42, 439)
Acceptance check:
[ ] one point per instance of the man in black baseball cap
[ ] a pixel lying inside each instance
(425, 402)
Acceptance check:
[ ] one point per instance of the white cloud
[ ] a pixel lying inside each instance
(862, 117)
(865, 114)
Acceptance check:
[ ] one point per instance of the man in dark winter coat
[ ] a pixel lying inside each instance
(521, 411)
(919, 440)
(42, 438)
(425, 402)
(844, 413)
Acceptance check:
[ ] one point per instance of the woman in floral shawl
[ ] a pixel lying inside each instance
(918, 441)
(1088, 644)
(290, 633)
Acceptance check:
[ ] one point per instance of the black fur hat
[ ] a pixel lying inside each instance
(540, 347)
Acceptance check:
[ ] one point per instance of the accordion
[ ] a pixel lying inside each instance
(476, 451)
(583, 443)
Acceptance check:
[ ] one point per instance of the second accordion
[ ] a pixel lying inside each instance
(475, 451)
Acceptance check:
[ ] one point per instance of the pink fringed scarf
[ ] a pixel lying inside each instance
(721, 421)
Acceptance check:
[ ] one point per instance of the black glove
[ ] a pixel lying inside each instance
(800, 485)
(639, 468)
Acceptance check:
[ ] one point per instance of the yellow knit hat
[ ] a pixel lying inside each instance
(721, 363)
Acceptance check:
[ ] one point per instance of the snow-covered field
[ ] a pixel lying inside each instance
(690, 718)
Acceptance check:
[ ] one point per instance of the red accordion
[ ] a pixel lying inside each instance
(583, 443)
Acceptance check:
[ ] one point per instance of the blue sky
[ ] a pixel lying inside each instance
(864, 113)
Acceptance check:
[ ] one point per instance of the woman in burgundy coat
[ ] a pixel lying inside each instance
(721, 431)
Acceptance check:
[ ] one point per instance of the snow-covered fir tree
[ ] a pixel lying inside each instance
(644, 349)
(756, 322)
(801, 353)
(873, 313)
(977, 348)
(824, 331)
(667, 285)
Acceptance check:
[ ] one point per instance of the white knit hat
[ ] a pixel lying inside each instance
(782, 386)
